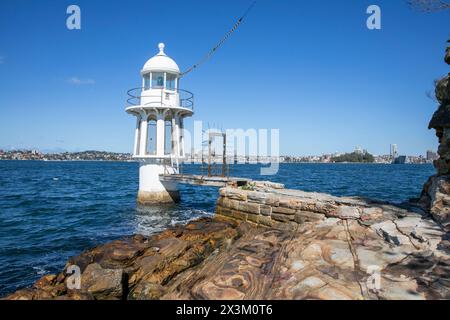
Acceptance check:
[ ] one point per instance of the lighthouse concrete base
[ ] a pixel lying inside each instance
(150, 198)
(151, 190)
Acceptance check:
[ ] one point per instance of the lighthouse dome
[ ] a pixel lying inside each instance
(161, 62)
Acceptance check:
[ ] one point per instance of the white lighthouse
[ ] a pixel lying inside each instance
(160, 107)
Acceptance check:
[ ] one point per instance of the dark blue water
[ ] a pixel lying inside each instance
(50, 211)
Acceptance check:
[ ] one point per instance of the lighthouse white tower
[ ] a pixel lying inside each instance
(160, 107)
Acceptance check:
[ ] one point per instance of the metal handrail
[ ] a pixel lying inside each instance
(136, 94)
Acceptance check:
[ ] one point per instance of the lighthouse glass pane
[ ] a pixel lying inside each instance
(147, 81)
(151, 138)
(168, 137)
(170, 81)
(157, 80)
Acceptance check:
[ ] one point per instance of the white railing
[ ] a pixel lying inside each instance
(137, 95)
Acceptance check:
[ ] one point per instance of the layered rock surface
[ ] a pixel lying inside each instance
(270, 243)
(436, 192)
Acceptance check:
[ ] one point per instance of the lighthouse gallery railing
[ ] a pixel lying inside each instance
(135, 96)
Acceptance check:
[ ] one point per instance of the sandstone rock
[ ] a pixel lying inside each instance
(388, 230)
(440, 199)
(223, 211)
(253, 218)
(283, 210)
(443, 91)
(441, 118)
(330, 293)
(23, 294)
(102, 283)
(268, 185)
(400, 290)
(308, 284)
(265, 221)
(228, 203)
(271, 256)
(371, 214)
(249, 207)
(45, 281)
(306, 216)
(75, 295)
(259, 197)
(147, 291)
(282, 217)
(234, 193)
(346, 212)
(265, 210)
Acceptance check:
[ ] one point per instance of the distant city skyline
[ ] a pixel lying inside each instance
(311, 69)
(426, 153)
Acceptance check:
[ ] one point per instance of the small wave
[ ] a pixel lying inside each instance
(40, 271)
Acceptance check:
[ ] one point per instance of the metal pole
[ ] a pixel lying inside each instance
(209, 155)
(224, 162)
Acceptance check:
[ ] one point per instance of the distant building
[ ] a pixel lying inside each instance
(431, 156)
(401, 160)
(394, 152)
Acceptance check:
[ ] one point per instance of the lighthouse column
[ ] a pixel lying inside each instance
(143, 137)
(160, 134)
(175, 136)
(160, 107)
(136, 136)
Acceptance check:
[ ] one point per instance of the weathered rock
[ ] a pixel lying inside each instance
(305, 255)
(443, 93)
(147, 291)
(306, 216)
(102, 283)
(371, 214)
(282, 217)
(249, 207)
(283, 210)
(346, 212)
(441, 118)
(435, 196)
(440, 199)
(389, 231)
(447, 54)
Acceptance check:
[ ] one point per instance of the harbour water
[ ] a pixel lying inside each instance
(50, 211)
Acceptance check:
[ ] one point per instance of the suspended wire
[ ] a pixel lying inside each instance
(429, 5)
(221, 42)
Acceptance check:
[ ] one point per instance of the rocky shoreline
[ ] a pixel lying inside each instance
(307, 246)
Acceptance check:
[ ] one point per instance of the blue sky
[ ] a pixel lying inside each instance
(310, 68)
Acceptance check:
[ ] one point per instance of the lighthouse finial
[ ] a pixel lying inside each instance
(161, 48)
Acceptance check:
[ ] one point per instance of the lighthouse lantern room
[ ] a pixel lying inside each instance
(160, 107)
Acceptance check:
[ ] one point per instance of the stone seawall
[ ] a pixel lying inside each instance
(271, 205)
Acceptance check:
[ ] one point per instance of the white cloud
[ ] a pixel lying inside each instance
(77, 81)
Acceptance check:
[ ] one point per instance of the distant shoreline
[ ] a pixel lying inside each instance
(81, 160)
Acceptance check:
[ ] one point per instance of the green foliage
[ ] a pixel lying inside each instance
(249, 186)
(364, 157)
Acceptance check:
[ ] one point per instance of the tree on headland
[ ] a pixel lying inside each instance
(429, 5)
(362, 157)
